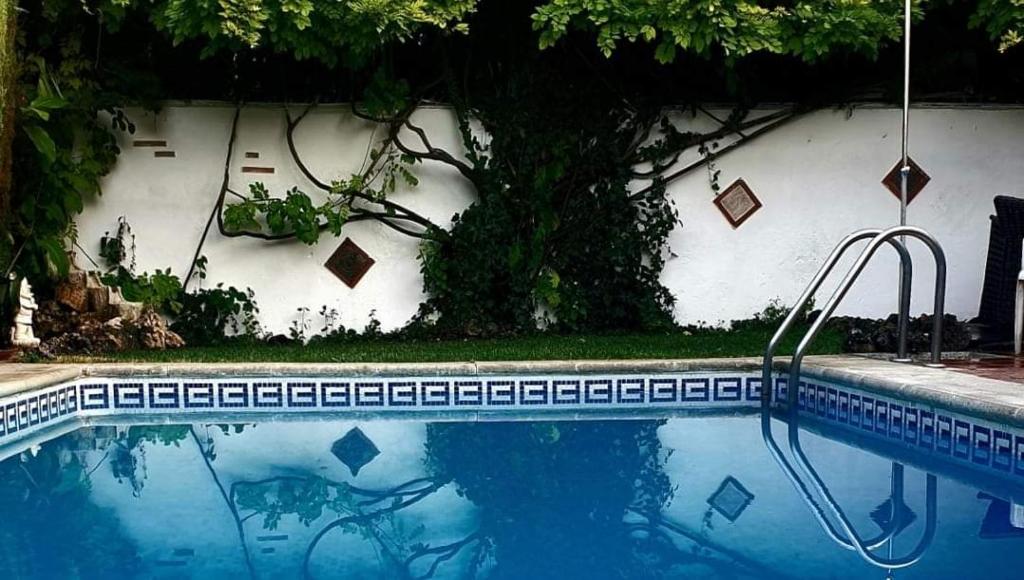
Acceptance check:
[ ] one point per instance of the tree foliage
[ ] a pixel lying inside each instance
(539, 508)
(808, 29)
(570, 219)
(1003, 20)
(62, 149)
(348, 30)
(51, 527)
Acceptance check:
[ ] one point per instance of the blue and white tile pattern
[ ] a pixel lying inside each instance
(962, 439)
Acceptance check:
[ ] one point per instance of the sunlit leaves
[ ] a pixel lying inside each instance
(329, 31)
(809, 30)
(1003, 20)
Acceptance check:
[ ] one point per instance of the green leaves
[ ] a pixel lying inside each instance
(41, 106)
(547, 287)
(57, 260)
(1003, 20)
(385, 97)
(329, 31)
(296, 214)
(161, 289)
(43, 142)
(808, 29)
(64, 146)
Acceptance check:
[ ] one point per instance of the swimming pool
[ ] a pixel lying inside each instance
(668, 475)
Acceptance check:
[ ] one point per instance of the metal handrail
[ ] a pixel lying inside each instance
(860, 545)
(851, 277)
(852, 541)
(896, 493)
(906, 276)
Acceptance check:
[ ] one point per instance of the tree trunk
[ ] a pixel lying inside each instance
(8, 78)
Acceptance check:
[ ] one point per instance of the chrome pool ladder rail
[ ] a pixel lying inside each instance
(848, 538)
(878, 237)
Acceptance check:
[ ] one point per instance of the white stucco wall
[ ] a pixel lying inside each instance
(818, 178)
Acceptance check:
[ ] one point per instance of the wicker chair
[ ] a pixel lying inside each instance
(1003, 270)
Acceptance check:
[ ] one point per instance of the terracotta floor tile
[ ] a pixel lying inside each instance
(1002, 368)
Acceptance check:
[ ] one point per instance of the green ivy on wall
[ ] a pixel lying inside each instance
(570, 220)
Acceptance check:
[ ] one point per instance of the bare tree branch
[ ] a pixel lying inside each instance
(432, 153)
(445, 553)
(777, 120)
(292, 125)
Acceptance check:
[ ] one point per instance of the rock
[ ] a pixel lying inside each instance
(866, 335)
(107, 323)
(98, 298)
(91, 336)
(152, 332)
(71, 292)
(119, 307)
(53, 319)
(128, 310)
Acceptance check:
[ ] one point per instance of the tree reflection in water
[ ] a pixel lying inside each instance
(49, 526)
(555, 497)
(561, 499)
(579, 499)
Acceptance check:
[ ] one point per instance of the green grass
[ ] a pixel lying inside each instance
(672, 345)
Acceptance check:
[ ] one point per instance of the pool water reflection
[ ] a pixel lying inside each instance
(672, 497)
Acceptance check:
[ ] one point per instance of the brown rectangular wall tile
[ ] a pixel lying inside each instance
(252, 155)
(252, 169)
(149, 143)
(164, 154)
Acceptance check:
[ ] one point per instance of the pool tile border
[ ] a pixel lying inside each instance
(26, 412)
(972, 441)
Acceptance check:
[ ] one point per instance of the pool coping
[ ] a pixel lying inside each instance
(953, 390)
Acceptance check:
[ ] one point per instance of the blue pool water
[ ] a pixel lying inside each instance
(676, 493)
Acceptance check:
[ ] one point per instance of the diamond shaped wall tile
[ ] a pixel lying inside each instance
(731, 498)
(349, 263)
(355, 450)
(883, 515)
(737, 203)
(916, 182)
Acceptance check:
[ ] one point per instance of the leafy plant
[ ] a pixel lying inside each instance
(299, 329)
(62, 149)
(330, 320)
(211, 316)
(119, 248)
(772, 316)
(206, 316)
(161, 289)
(331, 32)
(1003, 20)
(808, 29)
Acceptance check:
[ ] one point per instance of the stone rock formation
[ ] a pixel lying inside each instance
(88, 317)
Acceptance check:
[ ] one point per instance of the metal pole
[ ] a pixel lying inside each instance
(905, 169)
(901, 354)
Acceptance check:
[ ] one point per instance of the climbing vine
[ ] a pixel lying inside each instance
(567, 150)
(571, 218)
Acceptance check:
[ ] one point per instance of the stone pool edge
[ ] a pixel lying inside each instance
(956, 391)
(953, 390)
